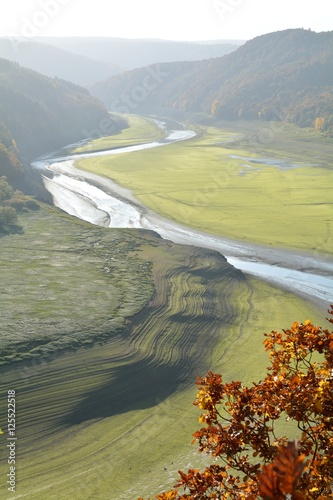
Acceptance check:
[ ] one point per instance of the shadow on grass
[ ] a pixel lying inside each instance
(132, 387)
(13, 229)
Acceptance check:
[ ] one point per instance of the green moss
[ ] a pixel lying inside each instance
(115, 420)
(64, 281)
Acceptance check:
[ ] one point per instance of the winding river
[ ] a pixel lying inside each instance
(102, 202)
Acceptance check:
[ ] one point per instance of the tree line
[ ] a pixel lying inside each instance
(285, 75)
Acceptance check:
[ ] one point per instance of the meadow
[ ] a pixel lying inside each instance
(269, 184)
(48, 303)
(105, 331)
(140, 130)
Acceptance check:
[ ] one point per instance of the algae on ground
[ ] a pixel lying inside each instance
(66, 283)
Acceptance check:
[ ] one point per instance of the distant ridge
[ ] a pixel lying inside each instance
(129, 54)
(283, 75)
(55, 62)
(41, 113)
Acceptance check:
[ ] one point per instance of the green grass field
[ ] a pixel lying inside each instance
(66, 283)
(140, 130)
(224, 182)
(113, 419)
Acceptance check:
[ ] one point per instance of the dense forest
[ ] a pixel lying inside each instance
(38, 114)
(42, 113)
(283, 75)
(12, 174)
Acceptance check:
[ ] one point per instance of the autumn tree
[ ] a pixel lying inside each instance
(319, 123)
(240, 425)
(12, 201)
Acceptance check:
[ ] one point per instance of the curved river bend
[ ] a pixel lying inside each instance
(101, 201)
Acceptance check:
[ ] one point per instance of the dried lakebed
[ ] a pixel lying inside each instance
(101, 201)
(114, 419)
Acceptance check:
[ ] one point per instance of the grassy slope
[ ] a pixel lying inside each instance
(67, 283)
(140, 130)
(115, 420)
(203, 184)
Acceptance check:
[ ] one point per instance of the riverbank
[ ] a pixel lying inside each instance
(88, 418)
(226, 183)
(101, 201)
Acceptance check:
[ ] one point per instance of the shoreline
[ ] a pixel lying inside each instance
(300, 260)
(101, 201)
(290, 269)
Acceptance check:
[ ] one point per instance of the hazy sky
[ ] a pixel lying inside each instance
(167, 19)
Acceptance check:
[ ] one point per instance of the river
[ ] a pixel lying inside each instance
(102, 202)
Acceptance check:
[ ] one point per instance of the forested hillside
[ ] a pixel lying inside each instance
(43, 114)
(283, 75)
(12, 174)
(37, 115)
(10, 165)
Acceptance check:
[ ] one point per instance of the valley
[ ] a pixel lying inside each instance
(100, 200)
(240, 187)
(155, 224)
(110, 400)
(118, 406)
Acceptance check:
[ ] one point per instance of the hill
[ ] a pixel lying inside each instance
(43, 114)
(39, 114)
(55, 62)
(283, 75)
(135, 53)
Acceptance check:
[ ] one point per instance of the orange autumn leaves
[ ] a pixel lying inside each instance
(280, 477)
(253, 460)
